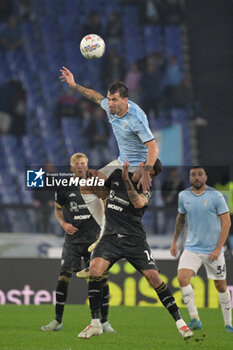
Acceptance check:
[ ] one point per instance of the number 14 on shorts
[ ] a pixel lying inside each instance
(149, 255)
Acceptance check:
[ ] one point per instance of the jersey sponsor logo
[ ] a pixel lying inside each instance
(112, 197)
(120, 200)
(82, 206)
(82, 217)
(72, 195)
(114, 207)
(35, 178)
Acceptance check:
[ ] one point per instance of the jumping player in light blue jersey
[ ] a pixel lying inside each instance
(132, 132)
(129, 123)
(208, 222)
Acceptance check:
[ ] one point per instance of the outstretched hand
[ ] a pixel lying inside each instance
(215, 254)
(174, 249)
(67, 76)
(145, 181)
(69, 228)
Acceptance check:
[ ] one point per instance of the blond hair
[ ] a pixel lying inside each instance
(76, 156)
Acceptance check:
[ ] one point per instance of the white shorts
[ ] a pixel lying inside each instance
(115, 164)
(215, 269)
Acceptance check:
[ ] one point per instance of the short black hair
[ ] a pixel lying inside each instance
(158, 167)
(198, 167)
(120, 87)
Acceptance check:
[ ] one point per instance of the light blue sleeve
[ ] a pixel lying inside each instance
(181, 208)
(141, 127)
(104, 104)
(220, 203)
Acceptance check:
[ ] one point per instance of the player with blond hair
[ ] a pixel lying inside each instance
(81, 230)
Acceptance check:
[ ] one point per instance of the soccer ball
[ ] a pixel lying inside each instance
(92, 46)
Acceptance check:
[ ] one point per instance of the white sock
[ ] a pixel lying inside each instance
(189, 300)
(225, 302)
(180, 323)
(95, 322)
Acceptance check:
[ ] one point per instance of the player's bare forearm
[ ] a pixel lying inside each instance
(90, 94)
(101, 192)
(59, 216)
(152, 155)
(135, 198)
(67, 77)
(68, 228)
(179, 226)
(225, 227)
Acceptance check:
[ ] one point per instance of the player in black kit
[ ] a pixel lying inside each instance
(125, 237)
(81, 230)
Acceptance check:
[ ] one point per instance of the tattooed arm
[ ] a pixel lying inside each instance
(179, 227)
(92, 95)
(138, 200)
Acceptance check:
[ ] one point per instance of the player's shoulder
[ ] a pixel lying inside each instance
(137, 112)
(186, 192)
(211, 191)
(104, 103)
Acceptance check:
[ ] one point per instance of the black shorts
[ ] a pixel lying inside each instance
(72, 254)
(135, 250)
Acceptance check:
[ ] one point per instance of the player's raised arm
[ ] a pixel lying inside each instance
(152, 156)
(92, 95)
(138, 200)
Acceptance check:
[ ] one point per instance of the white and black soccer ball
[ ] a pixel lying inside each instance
(92, 46)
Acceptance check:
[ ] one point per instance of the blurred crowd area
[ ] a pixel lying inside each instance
(42, 122)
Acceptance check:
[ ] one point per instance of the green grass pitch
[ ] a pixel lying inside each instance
(149, 328)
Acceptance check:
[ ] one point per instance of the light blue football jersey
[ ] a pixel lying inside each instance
(131, 132)
(202, 212)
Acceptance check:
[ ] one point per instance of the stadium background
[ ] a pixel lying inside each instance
(192, 118)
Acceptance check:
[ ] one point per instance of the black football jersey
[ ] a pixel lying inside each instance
(75, 211)
(121, 216)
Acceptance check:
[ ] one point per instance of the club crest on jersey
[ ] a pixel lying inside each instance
(111, 194)
(74, 206)
(124, 125)
(205, 201)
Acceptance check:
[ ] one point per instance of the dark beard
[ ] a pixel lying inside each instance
(198, 187)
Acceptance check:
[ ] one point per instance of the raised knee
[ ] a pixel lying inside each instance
(95, 269)
(183, 280)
